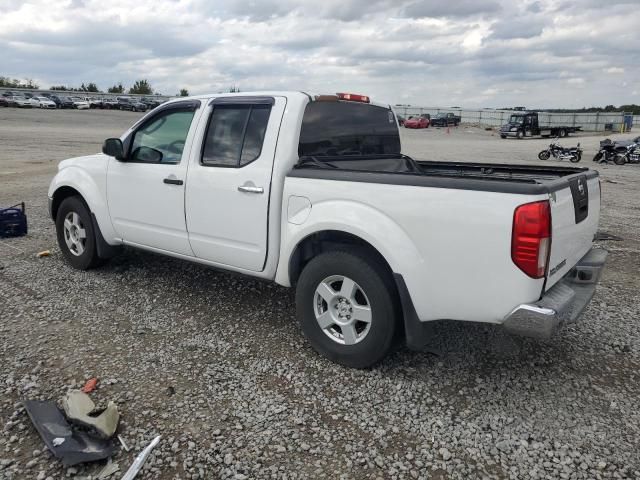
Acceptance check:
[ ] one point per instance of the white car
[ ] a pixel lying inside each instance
(43, 102)
(79, 103)
(23, 102)
(312, 192)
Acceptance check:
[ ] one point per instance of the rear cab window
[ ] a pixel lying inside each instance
(336, 128)
(235, 135)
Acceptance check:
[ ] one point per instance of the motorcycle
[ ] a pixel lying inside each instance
(608, 151)
(573, 154)
(631, 155)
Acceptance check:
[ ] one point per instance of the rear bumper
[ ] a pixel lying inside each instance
(561, 304)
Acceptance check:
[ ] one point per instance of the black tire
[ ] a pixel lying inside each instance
(544, 155)
(575, 158)
(562, 133)
(598, 157)
(380, 292)
(89, 257)
(503, 136)
(620, 159)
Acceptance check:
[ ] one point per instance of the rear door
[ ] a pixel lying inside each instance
(228, 184)
(575, 212)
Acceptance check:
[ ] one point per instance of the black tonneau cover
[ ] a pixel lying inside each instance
(403, 170)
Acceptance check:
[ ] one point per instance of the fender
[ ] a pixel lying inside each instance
(363, 221)
(90, 181)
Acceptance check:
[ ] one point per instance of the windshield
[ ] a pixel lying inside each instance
(516, 119)
(348, 128)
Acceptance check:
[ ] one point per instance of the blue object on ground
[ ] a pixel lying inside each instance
(13, 221)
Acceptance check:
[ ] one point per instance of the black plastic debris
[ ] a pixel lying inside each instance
(70, 446)
(13, 221)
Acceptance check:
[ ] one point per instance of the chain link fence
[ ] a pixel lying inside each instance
(589, 122)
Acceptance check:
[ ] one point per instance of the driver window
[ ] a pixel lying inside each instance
(162, 139)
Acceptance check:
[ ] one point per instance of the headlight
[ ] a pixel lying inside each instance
(513, 129)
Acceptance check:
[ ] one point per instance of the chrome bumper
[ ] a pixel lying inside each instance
(561, 304)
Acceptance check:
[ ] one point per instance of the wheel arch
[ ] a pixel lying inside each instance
(59, 196)
(327, 240)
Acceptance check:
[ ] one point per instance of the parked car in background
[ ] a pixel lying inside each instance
(95, 102)
(110, 104)
(131, 104)
(421, 121)
(150, 102)
(21, 101)
(44, 102)
(445, 120)
(3, 101)
(66, 102)
(80, 103)
(55, 99)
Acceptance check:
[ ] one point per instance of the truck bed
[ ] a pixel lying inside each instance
(525, 179)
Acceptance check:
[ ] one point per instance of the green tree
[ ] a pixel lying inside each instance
(141, 87)
(184, 92)
(234, 89)
(116, 88)
(92, 87)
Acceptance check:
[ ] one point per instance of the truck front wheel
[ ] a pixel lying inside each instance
(76, 236)
(348, 308)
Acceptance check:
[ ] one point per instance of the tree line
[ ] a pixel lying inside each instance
(140, 87)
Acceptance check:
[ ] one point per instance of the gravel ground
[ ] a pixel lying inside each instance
(217, 364)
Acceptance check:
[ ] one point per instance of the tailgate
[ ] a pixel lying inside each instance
(575, 211)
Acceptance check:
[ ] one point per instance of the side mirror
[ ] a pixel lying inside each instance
(147, 154)
(113, 147)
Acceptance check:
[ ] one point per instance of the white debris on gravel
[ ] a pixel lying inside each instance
(216, 363)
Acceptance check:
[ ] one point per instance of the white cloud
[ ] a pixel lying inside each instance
(468, 52)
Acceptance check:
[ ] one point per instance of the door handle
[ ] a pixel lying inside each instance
(250, 189)
(173, 181)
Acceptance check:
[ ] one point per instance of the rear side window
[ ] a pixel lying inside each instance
(348, 128)
(235, 135)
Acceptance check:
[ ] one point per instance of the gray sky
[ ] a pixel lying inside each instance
(474, 53)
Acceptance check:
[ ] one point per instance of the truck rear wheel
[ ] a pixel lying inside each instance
(563, 133)
(348, 308)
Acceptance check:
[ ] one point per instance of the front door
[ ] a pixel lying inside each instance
(145, 192)
(227, 200)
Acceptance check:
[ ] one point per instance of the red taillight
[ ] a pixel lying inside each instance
(531, 240)
(352, 97)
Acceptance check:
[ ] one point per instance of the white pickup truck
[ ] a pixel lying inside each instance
(313, 192)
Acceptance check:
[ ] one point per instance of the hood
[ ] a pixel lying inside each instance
(95, 159)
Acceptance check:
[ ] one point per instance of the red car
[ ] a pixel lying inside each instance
(421, 121)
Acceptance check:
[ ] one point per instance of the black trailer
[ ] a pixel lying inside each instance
(530, 124)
